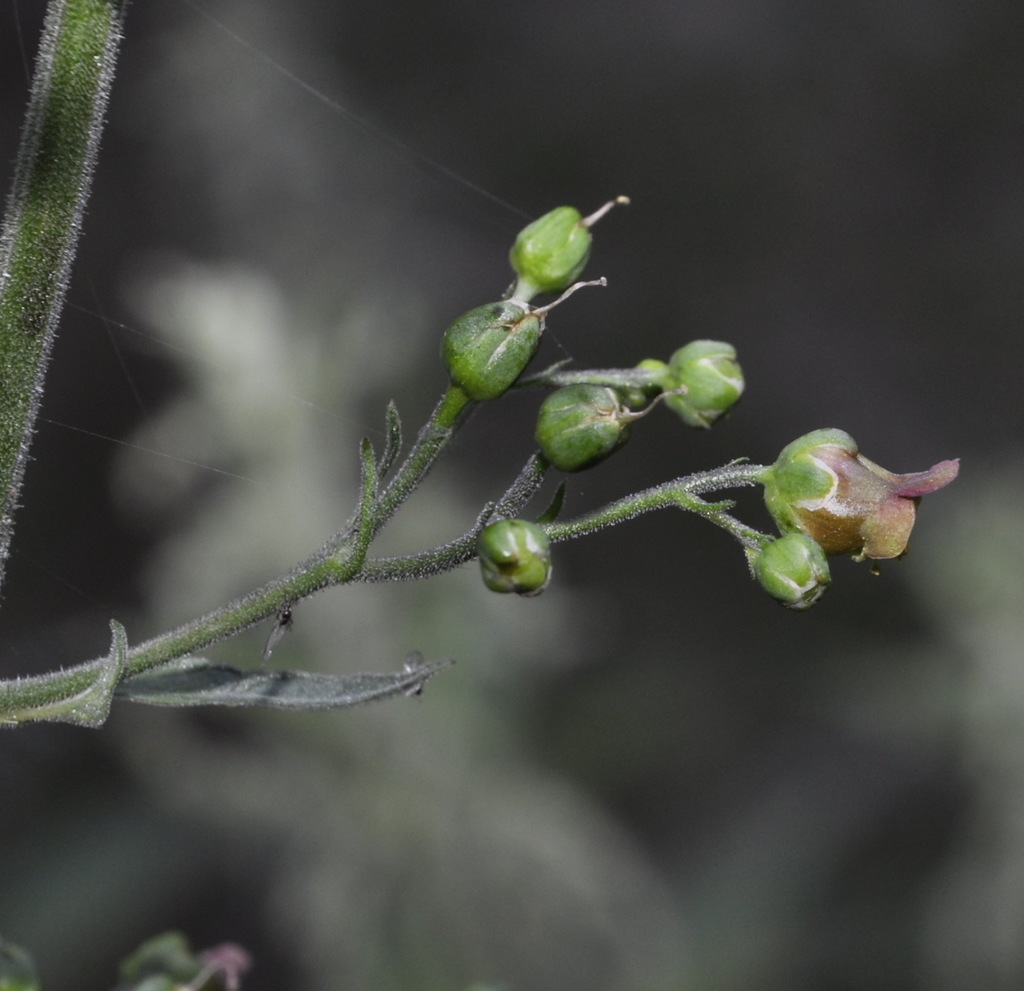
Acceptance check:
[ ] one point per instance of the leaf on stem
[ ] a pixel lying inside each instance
(555, 508)
(368, 485)
(195, 681)
(88, 706)
(392, 441)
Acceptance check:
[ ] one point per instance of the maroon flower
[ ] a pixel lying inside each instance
(823, 487)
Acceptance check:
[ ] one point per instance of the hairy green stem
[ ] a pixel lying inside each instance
(683, 493)
(42, 221)
(639, 380)
(452, 410)
(343, 560)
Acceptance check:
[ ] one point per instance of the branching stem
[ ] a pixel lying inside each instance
(37, 243)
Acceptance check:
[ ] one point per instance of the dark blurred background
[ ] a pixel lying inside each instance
(652, 777)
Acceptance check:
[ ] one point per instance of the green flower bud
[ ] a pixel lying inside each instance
(711, 378)
(581, 425)
(822, 486)
(515, 556)
(658, 370)
(488, 348)
(792, 570)
(550, 253)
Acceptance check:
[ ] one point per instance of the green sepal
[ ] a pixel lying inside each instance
(579, 426)
(793, 570)
(515, 556)
(797, 477)
(488, 348)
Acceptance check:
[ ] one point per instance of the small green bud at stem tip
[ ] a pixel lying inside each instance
(551, 253)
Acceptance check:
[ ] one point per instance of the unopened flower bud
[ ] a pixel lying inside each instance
(552, 252)
(822, 486)
(515, 556)
(792, 570)
(710, 379)
(488, 348)
(581, 425)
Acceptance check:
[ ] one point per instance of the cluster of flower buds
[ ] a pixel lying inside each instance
(515, 556)
(581, 424)
(488, 348)
(825, 497)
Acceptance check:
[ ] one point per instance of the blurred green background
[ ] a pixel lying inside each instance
(651, 777)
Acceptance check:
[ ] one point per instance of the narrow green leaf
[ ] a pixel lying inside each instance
(368, 484)
(195, 681)
(551, 513)
(393, 440)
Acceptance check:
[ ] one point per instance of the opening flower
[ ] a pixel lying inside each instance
(822, 486)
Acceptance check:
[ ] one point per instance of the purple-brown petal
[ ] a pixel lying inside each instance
(922, 482)
(887, 530)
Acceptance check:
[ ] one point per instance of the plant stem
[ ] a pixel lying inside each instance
(450, 412)
(681, 492)
(41, 226)
(342, 560)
